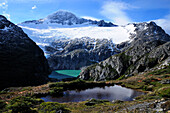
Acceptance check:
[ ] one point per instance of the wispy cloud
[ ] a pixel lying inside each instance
(164, 23)
(4, 5)
(116, 11)
(34, 7)
(91, 18)
(4, 8)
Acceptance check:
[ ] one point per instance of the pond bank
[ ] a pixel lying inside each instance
(156, 100)
(107, 93)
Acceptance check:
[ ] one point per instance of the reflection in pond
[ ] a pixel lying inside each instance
(110, 93)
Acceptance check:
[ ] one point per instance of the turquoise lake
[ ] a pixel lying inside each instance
(63, 74)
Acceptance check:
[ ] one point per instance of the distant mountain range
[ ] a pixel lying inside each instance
(72, 42)
(65, 25)
(68, 18)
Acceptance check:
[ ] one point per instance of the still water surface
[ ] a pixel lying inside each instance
(63, 74)
(110, 93)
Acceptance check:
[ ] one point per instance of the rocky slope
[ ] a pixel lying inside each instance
(150, 47)
(77, 53)
(22, 62)
(61, 36)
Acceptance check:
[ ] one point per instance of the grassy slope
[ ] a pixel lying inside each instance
(150, 82)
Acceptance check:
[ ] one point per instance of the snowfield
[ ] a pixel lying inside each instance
(43, 34)
(66, 25)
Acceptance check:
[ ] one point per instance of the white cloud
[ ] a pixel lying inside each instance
(34, 7)
(4, 8)
(4, 5)
(164, 23)
(91, 18)
(115, 11)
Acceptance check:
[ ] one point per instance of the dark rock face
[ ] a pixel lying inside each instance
(22, 62)
(150, 47)
(77, 53)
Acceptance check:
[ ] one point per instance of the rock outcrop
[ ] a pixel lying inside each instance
(77, 53)
(150, 47)
(22, 62)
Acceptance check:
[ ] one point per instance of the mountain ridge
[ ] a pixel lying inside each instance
(67, 18)
(150, 48)
(22, 62)
(49, 36)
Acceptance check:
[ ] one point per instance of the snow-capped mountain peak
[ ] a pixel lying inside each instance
(66, 18)
(63, 17)
(66, 25)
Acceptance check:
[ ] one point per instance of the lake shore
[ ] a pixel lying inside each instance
(154, 83)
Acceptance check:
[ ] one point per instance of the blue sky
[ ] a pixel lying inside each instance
(116, 11)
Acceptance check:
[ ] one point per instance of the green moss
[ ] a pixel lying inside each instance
(2, 104)
(23, 104)
(27, 89)
(164, 92)
(76, 84)
(3, 92)
(52, 107)
(121, 77)
(21, 107)
(161, 71)
(33, 101)
(56, 91)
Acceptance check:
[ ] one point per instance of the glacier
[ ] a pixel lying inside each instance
(65, 25)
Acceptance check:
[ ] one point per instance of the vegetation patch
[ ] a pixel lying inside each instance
(52, 107)
(92, 102)
(155, 83)
(121, 77)
(161, 71)
(23, 105)
(164, 92)
(77, 84)
(56, 91)
(2, 105)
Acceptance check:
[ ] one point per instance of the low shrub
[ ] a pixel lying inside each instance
(164, 92)
(2, 104)
(33, 101)
(23, 104)
(92, 102)
(121, 77)
(21, 107)
(161, 71)
(56, 91)
(52, 107)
